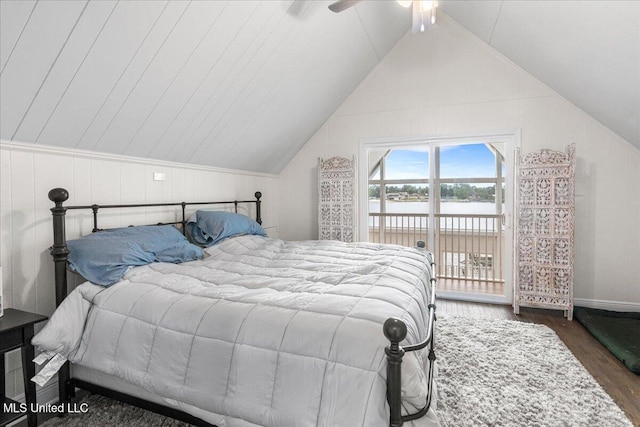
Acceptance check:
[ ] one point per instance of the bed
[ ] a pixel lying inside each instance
(258, 332)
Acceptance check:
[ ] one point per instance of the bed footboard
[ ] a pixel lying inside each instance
(395, 330)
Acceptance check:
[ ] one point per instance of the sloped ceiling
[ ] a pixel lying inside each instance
(587, 51)
(244, 84)
(237, 84)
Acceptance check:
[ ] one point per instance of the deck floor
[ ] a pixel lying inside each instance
(471, 286)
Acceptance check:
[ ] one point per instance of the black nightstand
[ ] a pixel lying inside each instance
(16, 331)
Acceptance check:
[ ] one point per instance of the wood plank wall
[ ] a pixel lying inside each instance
(28, 172)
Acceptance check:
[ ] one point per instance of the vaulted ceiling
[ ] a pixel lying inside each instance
(244, 84)
(587, 51)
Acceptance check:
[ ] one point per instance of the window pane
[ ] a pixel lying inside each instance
(467, 161)
(374, 198)
(407, 198)
(407, 164)
(468, 198)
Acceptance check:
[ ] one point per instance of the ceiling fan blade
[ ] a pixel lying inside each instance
(341, 5)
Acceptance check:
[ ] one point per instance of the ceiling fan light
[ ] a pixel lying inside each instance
(424, 15)
(405, 3)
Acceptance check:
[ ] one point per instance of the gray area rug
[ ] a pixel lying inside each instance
(507, 373)
(105, 412)
(491, 373)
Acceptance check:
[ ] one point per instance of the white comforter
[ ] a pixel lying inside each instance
(261, 331)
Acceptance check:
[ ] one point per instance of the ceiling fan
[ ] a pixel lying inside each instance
(424, 11)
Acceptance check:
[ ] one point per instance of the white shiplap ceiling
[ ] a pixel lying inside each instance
(237, 84)
(244, 84)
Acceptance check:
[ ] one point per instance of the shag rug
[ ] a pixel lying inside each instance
(508, 373)
(490, 373)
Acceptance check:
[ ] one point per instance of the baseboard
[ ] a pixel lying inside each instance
(607, 305)
(44, 395)
(578, 302)
(472, 297)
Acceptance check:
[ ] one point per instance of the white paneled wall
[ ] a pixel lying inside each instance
(28, 172)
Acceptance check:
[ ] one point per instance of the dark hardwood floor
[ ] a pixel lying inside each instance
(619, 382)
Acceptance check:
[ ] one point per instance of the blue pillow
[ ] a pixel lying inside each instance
(104, 257)
(206, 228)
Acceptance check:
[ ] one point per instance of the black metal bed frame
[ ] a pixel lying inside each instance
(394, 329)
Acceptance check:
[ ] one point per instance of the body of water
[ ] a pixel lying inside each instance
(463, 208)
(468, 208)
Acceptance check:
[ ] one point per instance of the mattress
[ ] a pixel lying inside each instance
(260, 332)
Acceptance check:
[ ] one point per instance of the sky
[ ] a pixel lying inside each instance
(459, 161)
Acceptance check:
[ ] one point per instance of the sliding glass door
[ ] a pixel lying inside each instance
(455, 195)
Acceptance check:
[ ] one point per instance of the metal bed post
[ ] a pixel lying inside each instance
(183, 207)
(258, 203)
(60, 252)
(396, 330)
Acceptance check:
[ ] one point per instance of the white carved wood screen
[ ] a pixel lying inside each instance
(545, 197)
(336, 207)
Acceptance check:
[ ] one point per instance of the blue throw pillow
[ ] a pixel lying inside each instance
(206, 228)
(104, 257)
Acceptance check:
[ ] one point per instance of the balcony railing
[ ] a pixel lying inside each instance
(468, 247)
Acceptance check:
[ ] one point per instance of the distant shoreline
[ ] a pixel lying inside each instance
(441, 201)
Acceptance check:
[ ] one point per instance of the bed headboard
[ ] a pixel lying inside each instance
(60, 252)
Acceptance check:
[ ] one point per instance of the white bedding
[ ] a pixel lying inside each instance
(261, 332)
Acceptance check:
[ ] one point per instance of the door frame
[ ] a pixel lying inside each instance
(511, 138)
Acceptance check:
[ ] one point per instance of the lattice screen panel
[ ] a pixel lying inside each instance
(545, 194)
(336, 207)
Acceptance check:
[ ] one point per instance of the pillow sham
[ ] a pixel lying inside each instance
(104, 257)
(206, 228)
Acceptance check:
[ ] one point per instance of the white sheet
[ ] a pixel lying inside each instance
(262, 331)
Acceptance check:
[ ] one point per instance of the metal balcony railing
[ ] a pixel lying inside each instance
(467, 246)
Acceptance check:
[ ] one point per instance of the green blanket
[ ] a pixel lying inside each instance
(619, 332)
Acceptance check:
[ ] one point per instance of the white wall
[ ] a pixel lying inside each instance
(448, 82)
(28, 172)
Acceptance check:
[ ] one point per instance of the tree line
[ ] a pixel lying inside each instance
(447, 191)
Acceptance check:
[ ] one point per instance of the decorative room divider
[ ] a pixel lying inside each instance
(337, 198)
(545, 197)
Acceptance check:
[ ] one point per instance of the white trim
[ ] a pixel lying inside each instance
(74, 152)
(511, 137)
(577, 302)
(47, 395)
(607, 305)
(470, 137)
(471, 297)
